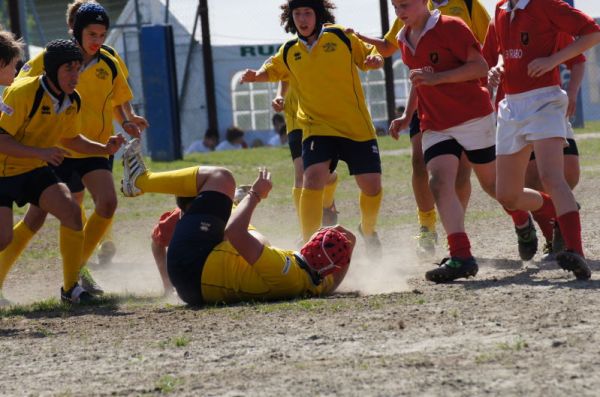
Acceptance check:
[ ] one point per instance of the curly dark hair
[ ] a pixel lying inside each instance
(324, 15)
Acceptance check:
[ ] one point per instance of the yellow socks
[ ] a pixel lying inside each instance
(71, 249)
(296, 193)
(329, 193)
(369, 211)
(21, 237)
(93, 231)
(178, 182)
(311, 212)
(428, 219)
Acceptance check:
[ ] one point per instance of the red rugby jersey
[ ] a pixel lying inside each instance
(531, 31)
(444, 45)
(164, 229)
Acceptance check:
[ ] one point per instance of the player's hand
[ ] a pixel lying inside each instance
(249, 76)
(374, 61)
(262, 185)
(53, 155)
(420, 77)
(131, 128)
(398, 125)
(114, 144)
(141, 122)
(572, 107)
(540, 66)
(277, 104)
(495, 76)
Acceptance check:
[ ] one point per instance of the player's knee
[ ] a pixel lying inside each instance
(106, 206)
(34, 219)
(71, 216)
(439, 187)
(225, 179)
(507, 199)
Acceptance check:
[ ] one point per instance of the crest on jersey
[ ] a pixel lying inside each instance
(525, 38)
(329, 47)
(46, 109)
(297, 56)
(101, 74)
(434, 57)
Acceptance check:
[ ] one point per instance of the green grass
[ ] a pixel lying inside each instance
(589, 126)
(167, 384)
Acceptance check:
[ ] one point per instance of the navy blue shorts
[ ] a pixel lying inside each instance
(451, 146)
(72, 170)
(570, 150)
(415, 125)
(200, 229)
(295, 143)
(26, 188)
(361, 157)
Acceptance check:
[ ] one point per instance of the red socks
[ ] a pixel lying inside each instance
(520, 218)
(545, 215)
(570, 228)
(459, 245)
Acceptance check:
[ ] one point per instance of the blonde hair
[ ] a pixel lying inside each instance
(72, 9)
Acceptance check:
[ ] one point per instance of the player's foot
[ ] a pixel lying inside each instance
(88, 283)
(451, 269)
(527, 240)
(558, 243)
(240, 192)
(426, 242)
(330, 216)
(573, 262)
(76, 295)
(106, 253)
(3, 301)
(133, 167)
(372, 243)
(548, 253)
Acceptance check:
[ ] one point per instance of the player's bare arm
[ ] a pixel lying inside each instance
(402, 122)
(254, 76)
(474, 68)
(541, 66)
(495, 74)
(248, 246)
(278, 102)
(129, 126)
(10, 147)
(577, 73)
(383, 46)
(82, 144)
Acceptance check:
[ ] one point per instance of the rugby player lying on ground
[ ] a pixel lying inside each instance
(212, 256)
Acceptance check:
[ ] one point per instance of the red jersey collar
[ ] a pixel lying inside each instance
(520, 5)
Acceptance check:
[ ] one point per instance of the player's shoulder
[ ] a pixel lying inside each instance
(24, 85)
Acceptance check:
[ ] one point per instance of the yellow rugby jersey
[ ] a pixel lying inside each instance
(227, 277)
(290, 110)
(478, 20)
(43, 128)
(326, 80)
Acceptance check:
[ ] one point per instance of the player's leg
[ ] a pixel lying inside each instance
(330, 213)
(318, 159)
(295, 144)
(6, 236)
(107, 249)
(463, 181)
(550, 165)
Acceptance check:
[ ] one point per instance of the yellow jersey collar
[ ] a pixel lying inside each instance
(59, 104)
(310, 46)
(434, 17)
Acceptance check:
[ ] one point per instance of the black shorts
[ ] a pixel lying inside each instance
(72, 170)
(295, 143)
(415, 125)
(570, 150)
(199, 230)
(361, 157)
(26, 188)
(451, 146)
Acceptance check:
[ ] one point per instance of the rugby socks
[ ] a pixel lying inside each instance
(570, 227)
(329, 193)
(296, 193)
(21, 237)
(545, 215)
(71, 249)
(178, 182)
(311, 212)
(459, 245)
(369, 211)
(93, 231)
(427, 219)
(520, 218)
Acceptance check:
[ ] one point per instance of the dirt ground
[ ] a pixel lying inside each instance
(516, 329)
